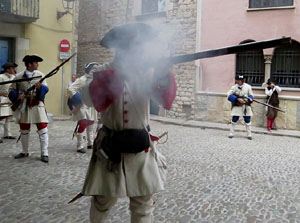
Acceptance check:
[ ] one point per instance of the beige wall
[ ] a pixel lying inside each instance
(44, 37)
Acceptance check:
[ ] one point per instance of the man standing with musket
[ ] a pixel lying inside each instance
(9, 71)
(31, 109)
(84, 115)
(241, 96)
(125, 161)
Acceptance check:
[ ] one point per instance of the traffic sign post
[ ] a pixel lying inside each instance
(63, 55)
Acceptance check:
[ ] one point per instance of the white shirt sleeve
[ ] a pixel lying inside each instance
(268, 92)
(278, 89)
(76, 86)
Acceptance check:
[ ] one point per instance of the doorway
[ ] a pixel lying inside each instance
(6, 50)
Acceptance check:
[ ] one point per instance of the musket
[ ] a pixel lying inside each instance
(230, 50)
(262, 103)
(268, 105)
(19, 80)
(50, 74)
(75, 130)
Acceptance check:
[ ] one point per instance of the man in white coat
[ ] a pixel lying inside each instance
(84, 115)
(9, 71)
(32, 108)
(125, 161)
(240, 95)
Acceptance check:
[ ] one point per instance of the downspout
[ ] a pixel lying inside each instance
(198, 79)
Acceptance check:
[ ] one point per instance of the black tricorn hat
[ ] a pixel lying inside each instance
(239, 77)
(32, 58)
(127, 35)
(9, 65)
(270, 81)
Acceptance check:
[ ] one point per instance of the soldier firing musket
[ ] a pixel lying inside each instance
(28, 103)
(121, 91)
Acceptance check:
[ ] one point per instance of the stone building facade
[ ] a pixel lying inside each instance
(96, 17)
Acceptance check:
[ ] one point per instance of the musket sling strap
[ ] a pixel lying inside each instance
(126, 141)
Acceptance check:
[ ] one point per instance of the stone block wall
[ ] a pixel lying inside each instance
(96, 17)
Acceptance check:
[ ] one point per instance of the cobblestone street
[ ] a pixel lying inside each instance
(210, 179)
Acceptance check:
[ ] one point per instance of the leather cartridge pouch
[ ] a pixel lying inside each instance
(126, 141)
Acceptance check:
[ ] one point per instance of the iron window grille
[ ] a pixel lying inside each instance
(270, 3)
(285, 67)
(252, 65)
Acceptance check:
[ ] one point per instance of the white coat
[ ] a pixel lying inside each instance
(138, 174)
(5, 109)
(244, 90)
(85, 112)
(35, 114)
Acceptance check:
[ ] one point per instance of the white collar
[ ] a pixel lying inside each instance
(29, 74)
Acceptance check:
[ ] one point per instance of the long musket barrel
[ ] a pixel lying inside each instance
(230, 50)
(51, 73)
(268, 105)
(19, 80)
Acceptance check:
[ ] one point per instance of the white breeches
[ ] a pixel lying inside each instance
(141, 208)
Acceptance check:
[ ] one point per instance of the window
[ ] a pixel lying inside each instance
(252, 65)
(150, 6)
(270, 3)
(285, 67)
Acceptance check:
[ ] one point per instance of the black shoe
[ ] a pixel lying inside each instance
(45, 159)
(21, 155)
(90, 147)
(83, 150)
(1, 141)
(9, 137)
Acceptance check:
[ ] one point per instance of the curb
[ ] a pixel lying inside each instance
(223, 127)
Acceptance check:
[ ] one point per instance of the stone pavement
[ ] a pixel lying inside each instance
(211, 179)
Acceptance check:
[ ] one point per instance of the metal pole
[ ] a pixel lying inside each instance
(62, 90)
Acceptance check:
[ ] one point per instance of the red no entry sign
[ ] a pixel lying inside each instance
(64, 45)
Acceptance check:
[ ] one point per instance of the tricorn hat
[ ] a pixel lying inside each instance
(9, 65)
(32, 58)
(127, 35)
(270, 81)
(89, 66)
(239, 77)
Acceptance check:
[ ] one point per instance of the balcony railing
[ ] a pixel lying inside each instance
(19, 11)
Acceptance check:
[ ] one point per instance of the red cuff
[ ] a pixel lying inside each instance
(166, 96)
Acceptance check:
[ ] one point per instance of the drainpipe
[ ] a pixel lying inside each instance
(198, 46)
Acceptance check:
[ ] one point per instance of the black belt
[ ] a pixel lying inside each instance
(125, 141)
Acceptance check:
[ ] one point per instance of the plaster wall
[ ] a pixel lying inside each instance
(231, 23)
